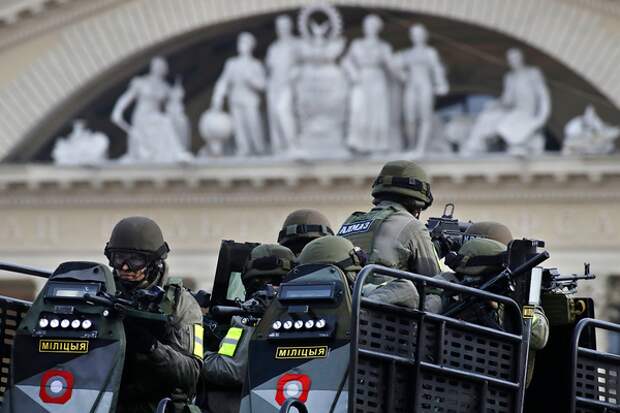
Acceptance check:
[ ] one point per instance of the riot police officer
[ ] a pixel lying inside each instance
(391, 232)
(302, 226)
(223, 372)
(481, 257)
(341, 252)
(161, 360)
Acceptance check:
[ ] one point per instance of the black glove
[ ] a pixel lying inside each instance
(139, 338)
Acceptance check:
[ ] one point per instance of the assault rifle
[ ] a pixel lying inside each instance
(447, 232)
(554, 282)
(144, 304)
(254, 308)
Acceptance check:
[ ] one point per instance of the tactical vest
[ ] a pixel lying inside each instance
(360, 228)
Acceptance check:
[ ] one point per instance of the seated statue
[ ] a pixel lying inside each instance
(518, 116)
(81, 147)
(589, 135)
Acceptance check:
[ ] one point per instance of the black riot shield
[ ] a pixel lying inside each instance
(595, 382)
(67, 355)
(410, 360)
(227, 286)
(11, 313)
(299, 351)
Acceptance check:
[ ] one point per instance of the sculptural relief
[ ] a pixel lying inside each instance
(589, 135)
(518, 116)
(81, 147)
(424, 77)
(152, 135)
(326, 101)
(322, 87)
(176, 111)
(281, 61)
(368, 64)
(241, 83)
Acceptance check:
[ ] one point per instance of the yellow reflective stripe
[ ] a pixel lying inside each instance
(234, 333)
(229, 343)
(198, 340)
(227, 349)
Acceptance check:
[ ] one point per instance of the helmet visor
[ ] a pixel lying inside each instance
(133, 260)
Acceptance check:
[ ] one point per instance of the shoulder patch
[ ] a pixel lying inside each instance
(355, 227)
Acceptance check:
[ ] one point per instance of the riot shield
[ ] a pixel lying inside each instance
(410, 360)
(11, 313)
(595, 382)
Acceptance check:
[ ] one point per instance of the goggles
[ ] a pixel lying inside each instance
(135, 261)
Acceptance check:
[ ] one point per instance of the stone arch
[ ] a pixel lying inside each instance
(582, 34)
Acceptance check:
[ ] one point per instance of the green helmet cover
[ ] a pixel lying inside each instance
(404, 178)
(302, 226)
(491, 230)
(267, 262)
(331, 249)
(138, 234)
(478, 248)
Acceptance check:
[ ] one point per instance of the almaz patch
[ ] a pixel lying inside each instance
(313, 352)
(63, 346)
(355, 227)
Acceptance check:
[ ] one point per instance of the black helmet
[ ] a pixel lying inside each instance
(405, 179)
(302, 226)
(138, 242)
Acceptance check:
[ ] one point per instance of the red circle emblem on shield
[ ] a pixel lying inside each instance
(56, 386)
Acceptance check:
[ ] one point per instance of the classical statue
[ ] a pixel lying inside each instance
(152, 136)
(176, 111)
(241, 83)
(368, 64)
(589, 135)
(518, 116)
(322, 87)
(281, 61)
(424, 77)
(216, 128)
(81, 147)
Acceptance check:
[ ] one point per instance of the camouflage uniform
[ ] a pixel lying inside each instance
(392, 235)
(223, 372)
(160, 360)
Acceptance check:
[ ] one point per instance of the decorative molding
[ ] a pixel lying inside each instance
(565, 29)
(489, 179)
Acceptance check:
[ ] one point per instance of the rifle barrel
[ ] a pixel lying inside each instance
(20, 269)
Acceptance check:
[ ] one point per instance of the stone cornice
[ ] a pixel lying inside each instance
(492, 178)
(31, 18)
